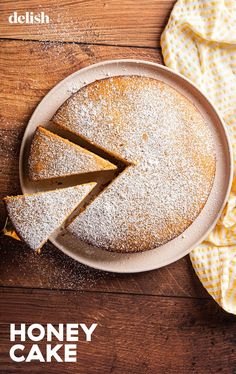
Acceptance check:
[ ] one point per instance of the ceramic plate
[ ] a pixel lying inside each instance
(180, 246)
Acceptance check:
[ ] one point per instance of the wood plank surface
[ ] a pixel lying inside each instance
(135, 334)
(28, 70)
(23, 87)
(159, 322)
(19, 266)
(114, 22)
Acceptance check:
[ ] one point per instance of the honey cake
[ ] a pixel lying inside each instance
(170, 152)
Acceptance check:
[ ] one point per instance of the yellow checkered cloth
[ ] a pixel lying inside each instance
(199, 42)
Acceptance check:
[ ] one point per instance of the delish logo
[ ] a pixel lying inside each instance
(29, 18)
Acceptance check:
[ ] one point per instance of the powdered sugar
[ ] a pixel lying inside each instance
(171, 152)
(52, 156)
(36, 216)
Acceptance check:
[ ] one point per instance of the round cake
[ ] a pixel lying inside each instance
(168, 153)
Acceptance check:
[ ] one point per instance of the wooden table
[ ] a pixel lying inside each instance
(162, 321)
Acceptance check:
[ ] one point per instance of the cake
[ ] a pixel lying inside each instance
(52, 156)
(169, 154)
(36, 216)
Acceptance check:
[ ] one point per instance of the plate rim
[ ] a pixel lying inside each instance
(100, 266)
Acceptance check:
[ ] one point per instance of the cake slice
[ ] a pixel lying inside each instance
(52, 156)
(36, 216)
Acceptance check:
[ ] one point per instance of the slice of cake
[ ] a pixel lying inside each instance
(52, 156)
(36, 216)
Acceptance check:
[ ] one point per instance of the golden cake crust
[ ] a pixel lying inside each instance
(169, 148)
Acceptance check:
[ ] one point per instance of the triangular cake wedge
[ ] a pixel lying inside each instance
(52, 156)
(36, 216)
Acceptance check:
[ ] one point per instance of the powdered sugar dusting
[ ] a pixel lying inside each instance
(52, 156)
(51, 269)
(36, 216)
(171, 152)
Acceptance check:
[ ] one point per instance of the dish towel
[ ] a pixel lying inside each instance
(199, 42)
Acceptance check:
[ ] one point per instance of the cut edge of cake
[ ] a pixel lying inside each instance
(59, 121)
(114, 155)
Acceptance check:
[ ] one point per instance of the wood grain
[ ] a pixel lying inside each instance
(19, 266)
(114, 22)
(139, 330)
(135, 334)
(23, 87)
(28, 70)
